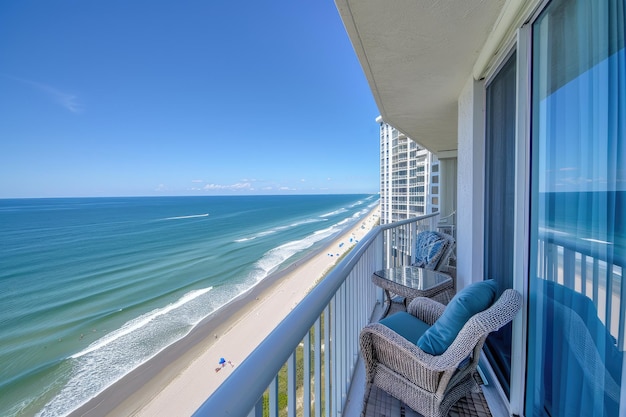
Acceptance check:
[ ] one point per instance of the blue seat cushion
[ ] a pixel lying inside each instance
(429, 248)
(406, 325)
(471, 300)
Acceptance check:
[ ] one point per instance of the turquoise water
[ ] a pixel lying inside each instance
(90, 288)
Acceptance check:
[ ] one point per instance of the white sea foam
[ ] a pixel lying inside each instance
(277, 229)
(256, 236)
(373, 204)
(277, 256)
(140, 322)
(193, 216)
(345, 221)
(334, 213)
(361, 213)
(326, 232)
(110, 358)
(307, 221)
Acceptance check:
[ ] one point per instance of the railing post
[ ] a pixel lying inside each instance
(291, 385)
(307, 375)
(327, 359)
(335, 354)
(317, 363)
(273, 398)
(257, 411)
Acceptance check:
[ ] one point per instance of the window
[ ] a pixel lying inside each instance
(577, 302)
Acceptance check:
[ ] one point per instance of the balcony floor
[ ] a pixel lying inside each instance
(381, 404)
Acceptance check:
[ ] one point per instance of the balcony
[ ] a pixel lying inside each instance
(329, 375)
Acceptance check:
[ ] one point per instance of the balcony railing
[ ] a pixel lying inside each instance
(316, 345)
(318, 340)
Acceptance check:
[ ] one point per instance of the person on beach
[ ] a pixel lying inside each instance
(222, 362)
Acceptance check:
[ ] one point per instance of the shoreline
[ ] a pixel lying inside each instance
(178, 379)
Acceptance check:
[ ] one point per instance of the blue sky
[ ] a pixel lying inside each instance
(122, 98)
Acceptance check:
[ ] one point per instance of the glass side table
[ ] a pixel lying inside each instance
(411, 282)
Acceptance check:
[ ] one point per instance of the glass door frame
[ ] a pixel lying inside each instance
(521, 46)
(521, 263)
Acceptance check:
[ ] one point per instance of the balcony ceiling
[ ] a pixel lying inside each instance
(417, 55)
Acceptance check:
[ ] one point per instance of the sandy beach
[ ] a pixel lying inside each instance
(179, 379)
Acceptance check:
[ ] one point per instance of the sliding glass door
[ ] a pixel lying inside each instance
(577, 292)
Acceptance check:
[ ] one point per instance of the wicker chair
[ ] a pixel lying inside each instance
(431, 384)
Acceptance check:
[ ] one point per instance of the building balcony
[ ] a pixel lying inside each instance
(281, 377)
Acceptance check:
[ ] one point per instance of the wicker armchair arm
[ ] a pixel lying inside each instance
(426, 309)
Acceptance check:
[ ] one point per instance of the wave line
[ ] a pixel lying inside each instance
(140, 322)
(193, 216)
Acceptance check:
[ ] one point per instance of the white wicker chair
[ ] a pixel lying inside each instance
(431, 384)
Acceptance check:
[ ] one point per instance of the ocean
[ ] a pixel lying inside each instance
(90, 288)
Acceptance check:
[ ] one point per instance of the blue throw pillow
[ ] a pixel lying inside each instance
(471, 300)
(429, 247)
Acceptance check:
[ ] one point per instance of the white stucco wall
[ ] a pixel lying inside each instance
(470, 191)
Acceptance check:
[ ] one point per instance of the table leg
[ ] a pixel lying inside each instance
(387, 303)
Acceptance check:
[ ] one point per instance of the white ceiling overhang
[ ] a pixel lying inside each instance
(417, 56)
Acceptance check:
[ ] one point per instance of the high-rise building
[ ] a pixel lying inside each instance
(409, 177)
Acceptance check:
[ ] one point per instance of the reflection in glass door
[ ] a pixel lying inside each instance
(577, 294)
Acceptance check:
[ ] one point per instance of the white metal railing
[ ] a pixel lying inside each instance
(399, 239)
(318, 340)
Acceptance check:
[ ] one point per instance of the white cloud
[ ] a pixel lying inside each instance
(236, 186)
(241, 185)
(68, 100)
